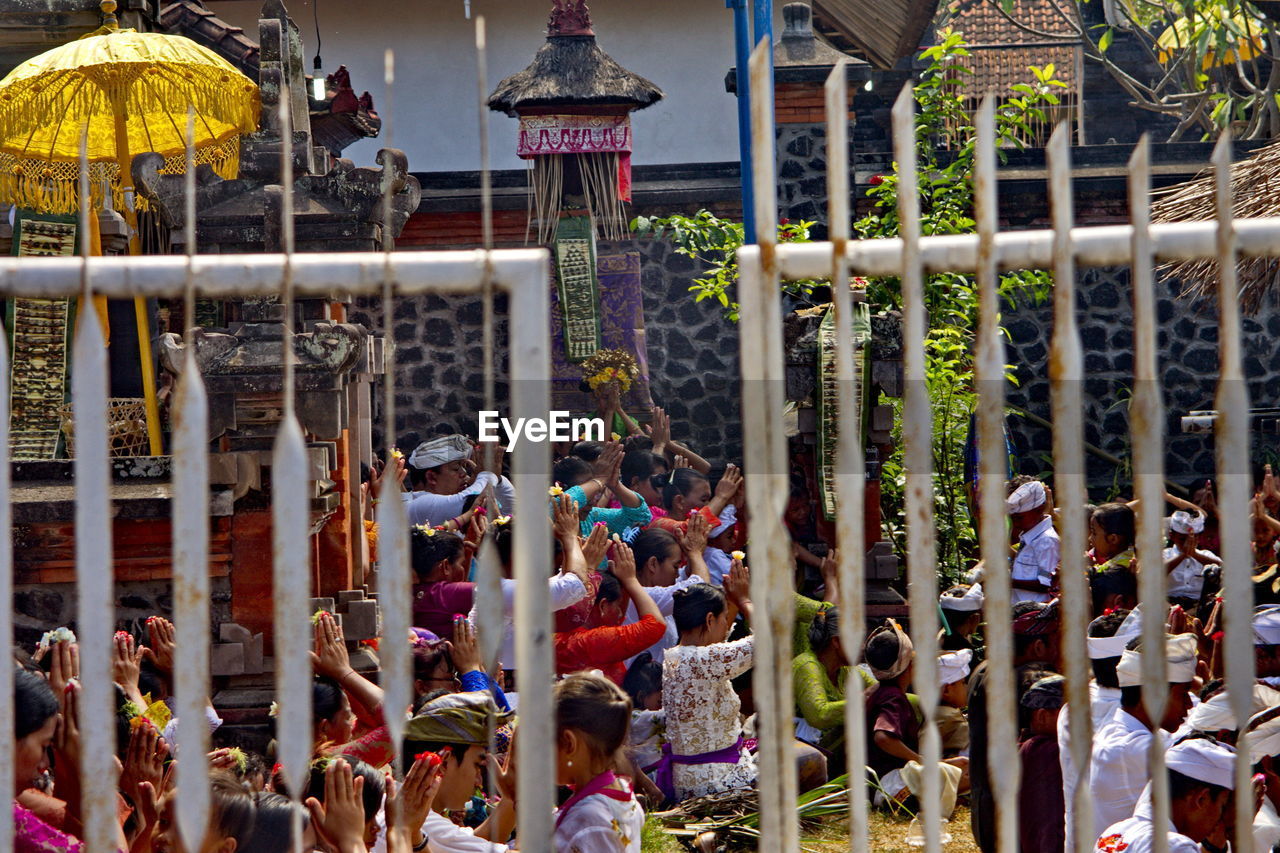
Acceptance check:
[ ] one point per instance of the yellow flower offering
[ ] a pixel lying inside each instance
(738, 555)
(555, 491)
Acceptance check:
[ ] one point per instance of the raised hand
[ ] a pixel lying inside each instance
(409, 803)
(464, 650)
(340, 818)
(596, 546)
(126, 664)
(624, 562)
(660, 430)
(729, 483)
(609, 459)
(737, 584)
(564, 517)
(693, 539)
(160, 643)
(330, 656)
(143, 761)
(64, 665)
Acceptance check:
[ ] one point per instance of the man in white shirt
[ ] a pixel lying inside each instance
(1201, 784)
(455, 726)
(1266, 644)
(1034, 566)
(439, 466)
(1264, 748)
(1121, 747)
(1106, 642)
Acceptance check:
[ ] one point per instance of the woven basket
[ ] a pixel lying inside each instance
(126, 427)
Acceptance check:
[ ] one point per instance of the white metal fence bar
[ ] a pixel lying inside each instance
(530, 358)
(1147, 445)
(395, 581)
(290, 523)
(1094, 245)
(1234, 480)
(95, 592)
(771, 585)
(850, 479)
(989, 376)
(1066, 377)
(190, 555)
(917, 439)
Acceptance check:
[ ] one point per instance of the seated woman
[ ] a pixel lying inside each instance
(818, 678)
(706, 753)
(606, 643)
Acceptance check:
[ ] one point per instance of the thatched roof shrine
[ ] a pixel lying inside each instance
(571, 70)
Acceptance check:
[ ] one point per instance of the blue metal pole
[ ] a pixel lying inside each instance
(763, 15)
(742, 51)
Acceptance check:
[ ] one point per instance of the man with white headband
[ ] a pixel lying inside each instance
(1108, 635)
(438, 469)
(1036, 562)
(1121, 746)
(1184, 562)
(1264, 753)
(1200, 801)
(1266, 643)
(961, 608)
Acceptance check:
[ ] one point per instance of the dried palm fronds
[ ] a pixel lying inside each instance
(734, 816)
(1255, 188)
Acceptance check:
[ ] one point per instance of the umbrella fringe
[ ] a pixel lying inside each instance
(52, 187)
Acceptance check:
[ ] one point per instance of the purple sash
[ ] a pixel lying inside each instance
(664, 768)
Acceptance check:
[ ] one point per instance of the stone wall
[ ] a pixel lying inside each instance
(39, 607)
(692, 350)
(1188, 365)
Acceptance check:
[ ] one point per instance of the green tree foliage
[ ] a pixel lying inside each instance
(945, 143)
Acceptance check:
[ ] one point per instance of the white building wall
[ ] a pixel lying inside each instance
(683, 46)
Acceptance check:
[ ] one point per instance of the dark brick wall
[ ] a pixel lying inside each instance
(692, 350)
(40, 607)
(1188, 366)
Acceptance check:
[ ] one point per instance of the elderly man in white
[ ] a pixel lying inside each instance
(1119, 768)
(441, 466)
(1039, 549)
(1200, 801)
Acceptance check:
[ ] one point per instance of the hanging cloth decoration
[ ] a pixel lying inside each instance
(575, 255)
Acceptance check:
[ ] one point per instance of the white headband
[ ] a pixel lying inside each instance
(1184, 522)
(970, 601)
(1264, 739)
(954, 667)
(1180, 662)
(1266, 626)
(1101, 648)
(1204, 760)
(1028, 496)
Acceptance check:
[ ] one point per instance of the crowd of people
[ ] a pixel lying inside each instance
(653, 653)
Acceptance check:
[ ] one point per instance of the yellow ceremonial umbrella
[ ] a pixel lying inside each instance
(132, 92)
